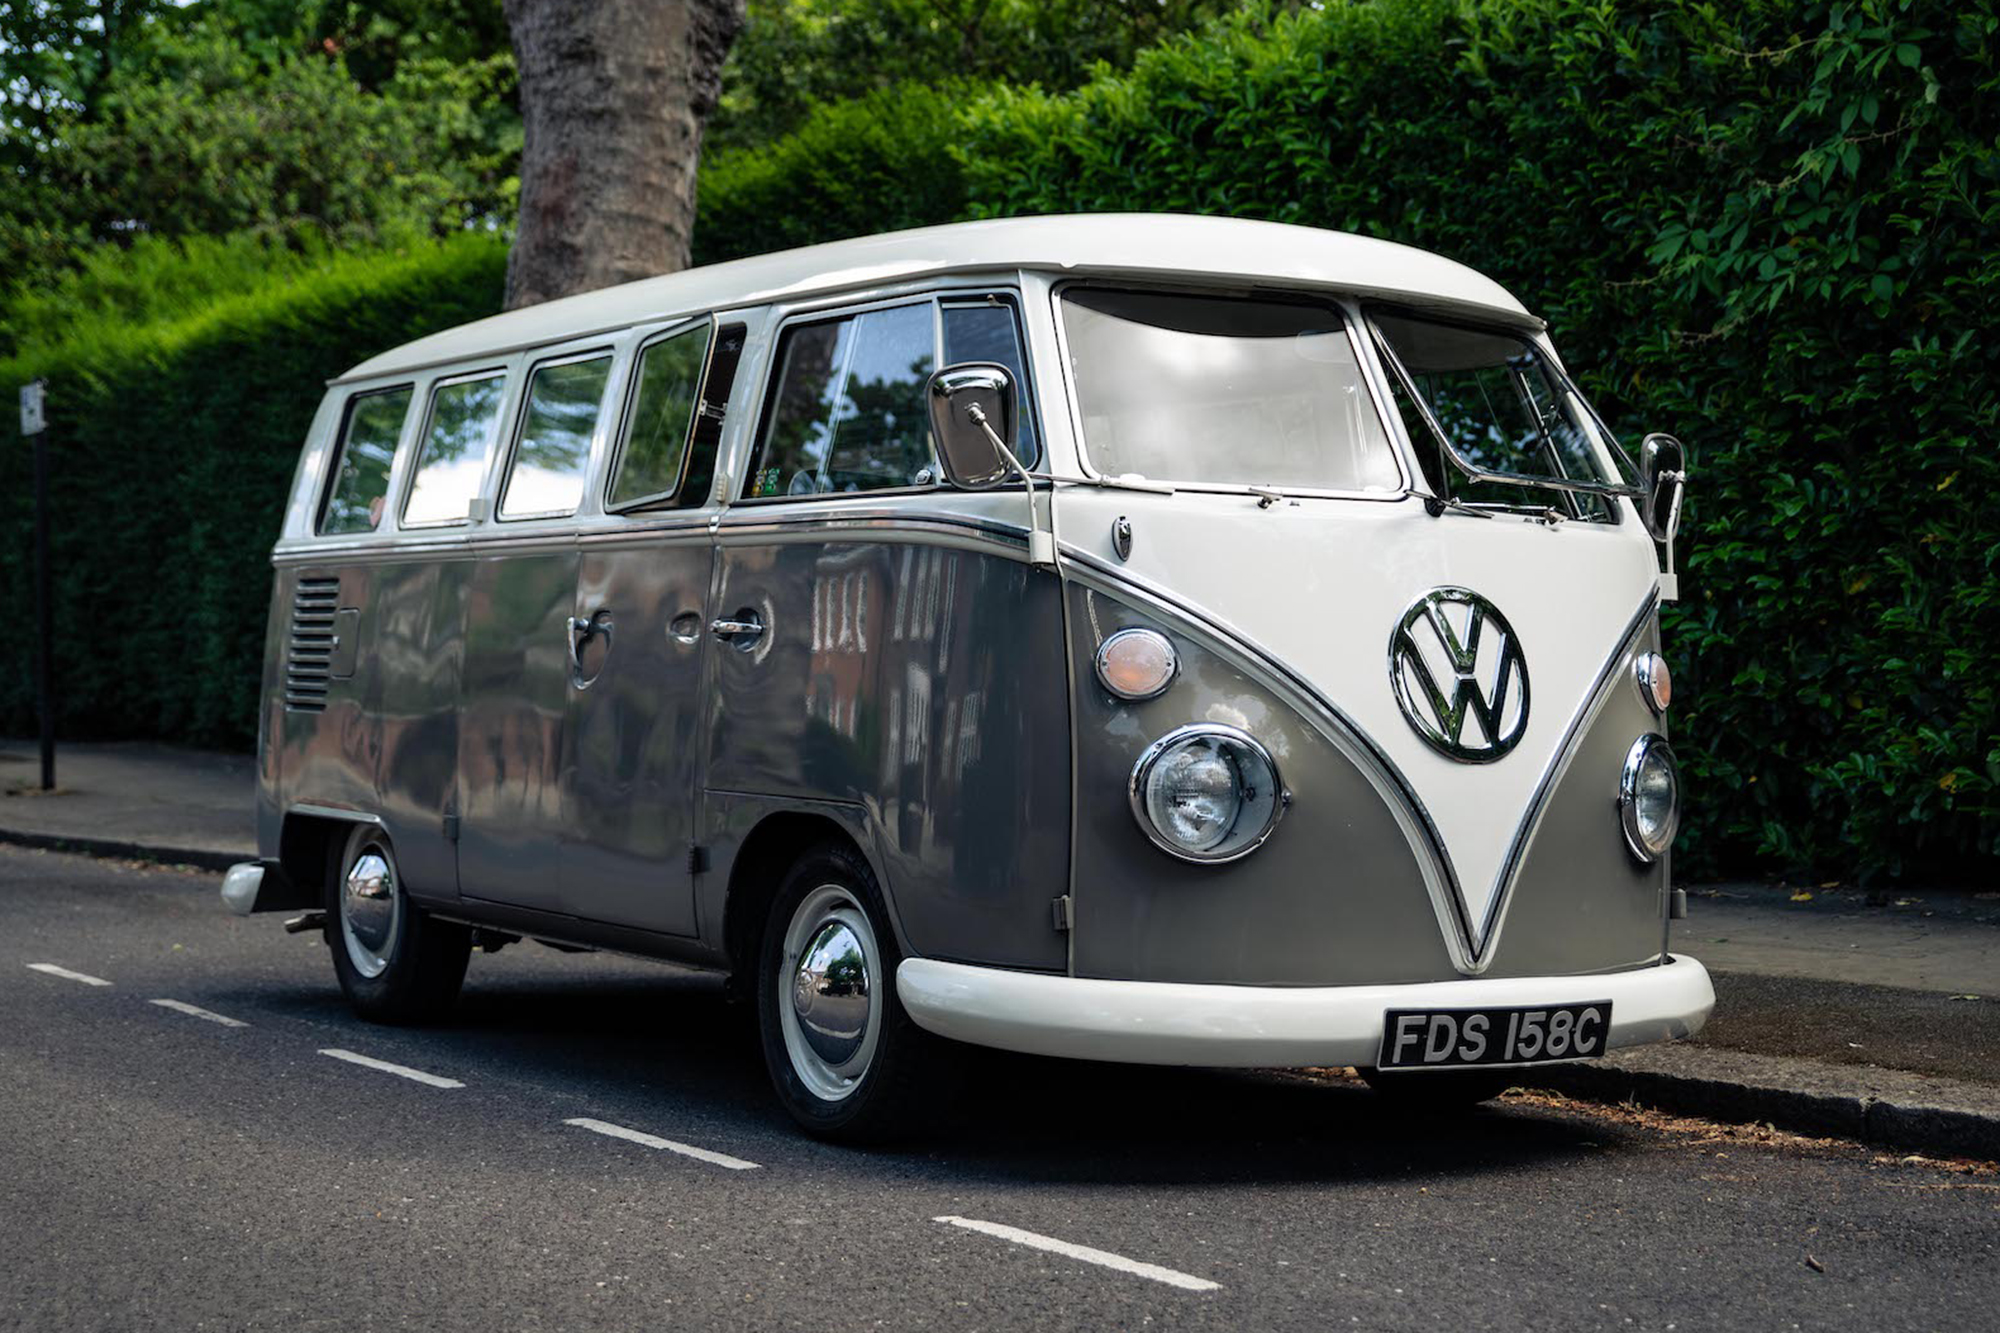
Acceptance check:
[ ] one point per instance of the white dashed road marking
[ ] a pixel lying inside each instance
(55, 971)
(196, 1011)
(652, 1141)
(403, 1071)
(1103, 1258)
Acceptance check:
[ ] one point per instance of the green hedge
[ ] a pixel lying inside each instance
(1773, 228)
(878, 163)
(173, 450)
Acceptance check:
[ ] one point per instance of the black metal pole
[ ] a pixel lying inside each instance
(45, 656)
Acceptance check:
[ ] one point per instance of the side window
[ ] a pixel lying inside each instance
(545, 479)
(846, 411)
(664, 398)
(360, 485)
(987, 331)
(451, 462)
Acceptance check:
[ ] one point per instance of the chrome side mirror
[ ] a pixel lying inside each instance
(1663, 473)
(972, 418)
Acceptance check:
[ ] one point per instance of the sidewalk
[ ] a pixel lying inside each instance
(1880, 1023)
(132, 799)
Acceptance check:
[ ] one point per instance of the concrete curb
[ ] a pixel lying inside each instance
(200, 858)
(1937, 1131)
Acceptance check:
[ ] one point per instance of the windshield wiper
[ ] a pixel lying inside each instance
(1435, 505)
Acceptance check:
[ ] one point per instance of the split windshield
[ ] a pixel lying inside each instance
(1502, 406)
(1210, 390)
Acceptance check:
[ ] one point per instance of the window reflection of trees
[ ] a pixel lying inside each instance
(1506, 418)
(849, 412)
(663, 410)
(563, 402)
(362, 480)
(453, 460)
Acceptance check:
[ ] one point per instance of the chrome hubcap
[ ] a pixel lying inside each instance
(370, 911)
(830, 993)
(830, 979)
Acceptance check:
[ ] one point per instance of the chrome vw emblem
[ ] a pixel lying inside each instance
(1454, 659)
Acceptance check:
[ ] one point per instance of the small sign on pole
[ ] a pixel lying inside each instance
(35, 425)
(34, 417)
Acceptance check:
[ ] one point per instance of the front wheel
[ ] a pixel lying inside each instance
(396, 964)
(846, 1059)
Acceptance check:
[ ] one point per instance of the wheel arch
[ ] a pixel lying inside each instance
(306, 843)
(767, 851)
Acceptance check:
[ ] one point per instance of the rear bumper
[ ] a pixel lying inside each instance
(1168, 1023)
(260, 886)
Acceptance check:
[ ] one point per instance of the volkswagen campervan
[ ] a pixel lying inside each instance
(1159, 639)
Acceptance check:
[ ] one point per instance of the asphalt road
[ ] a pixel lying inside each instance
(162, 1170)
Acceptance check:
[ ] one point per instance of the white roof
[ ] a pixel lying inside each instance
(1130, 244)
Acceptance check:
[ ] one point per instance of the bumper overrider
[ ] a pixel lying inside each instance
(1174, 1023)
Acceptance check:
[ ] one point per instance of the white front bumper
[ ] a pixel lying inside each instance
(1171, 1023)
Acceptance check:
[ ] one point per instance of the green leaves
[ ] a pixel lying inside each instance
(1769, 227)
(176, 441)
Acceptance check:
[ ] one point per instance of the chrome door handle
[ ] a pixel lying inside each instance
(581, 632)
(745, 627)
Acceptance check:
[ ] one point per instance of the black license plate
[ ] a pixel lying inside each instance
(1454, 1038)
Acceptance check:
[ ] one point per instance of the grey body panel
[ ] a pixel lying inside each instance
(1334, 897)
(634, 737)
(1581, 900)
(273, 726)
(414, 646)
(327, 757)
(923, 683)
(512, 724)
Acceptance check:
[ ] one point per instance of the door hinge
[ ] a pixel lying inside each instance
(697, 860)
(1060, 911)
(451, 828)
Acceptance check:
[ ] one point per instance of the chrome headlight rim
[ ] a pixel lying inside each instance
(1102, 656)
(1652, 743)
(1281, 798)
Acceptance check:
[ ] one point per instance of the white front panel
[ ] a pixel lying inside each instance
(1321, 584)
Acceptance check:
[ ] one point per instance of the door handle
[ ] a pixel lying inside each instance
(742, 629)
(580, 633)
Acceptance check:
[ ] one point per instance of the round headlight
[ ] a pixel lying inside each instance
(1649, 797)
(1656, 683)
(1137, 664)
(1207, 793)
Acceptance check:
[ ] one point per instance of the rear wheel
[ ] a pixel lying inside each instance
(846, 1059)
(396, 963)
(1436, 1091)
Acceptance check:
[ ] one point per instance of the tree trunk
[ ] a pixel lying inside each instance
(614, 96)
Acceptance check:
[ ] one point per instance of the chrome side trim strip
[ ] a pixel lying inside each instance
(340, 812)
(1593, 703)
(950, 530)
(1433, 858)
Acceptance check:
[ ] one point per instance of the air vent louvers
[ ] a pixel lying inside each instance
(309, 647)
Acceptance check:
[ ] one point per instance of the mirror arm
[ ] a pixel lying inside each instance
(1670, 581)
(1041, 545)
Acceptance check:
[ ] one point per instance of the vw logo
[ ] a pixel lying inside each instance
(1459, 675)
